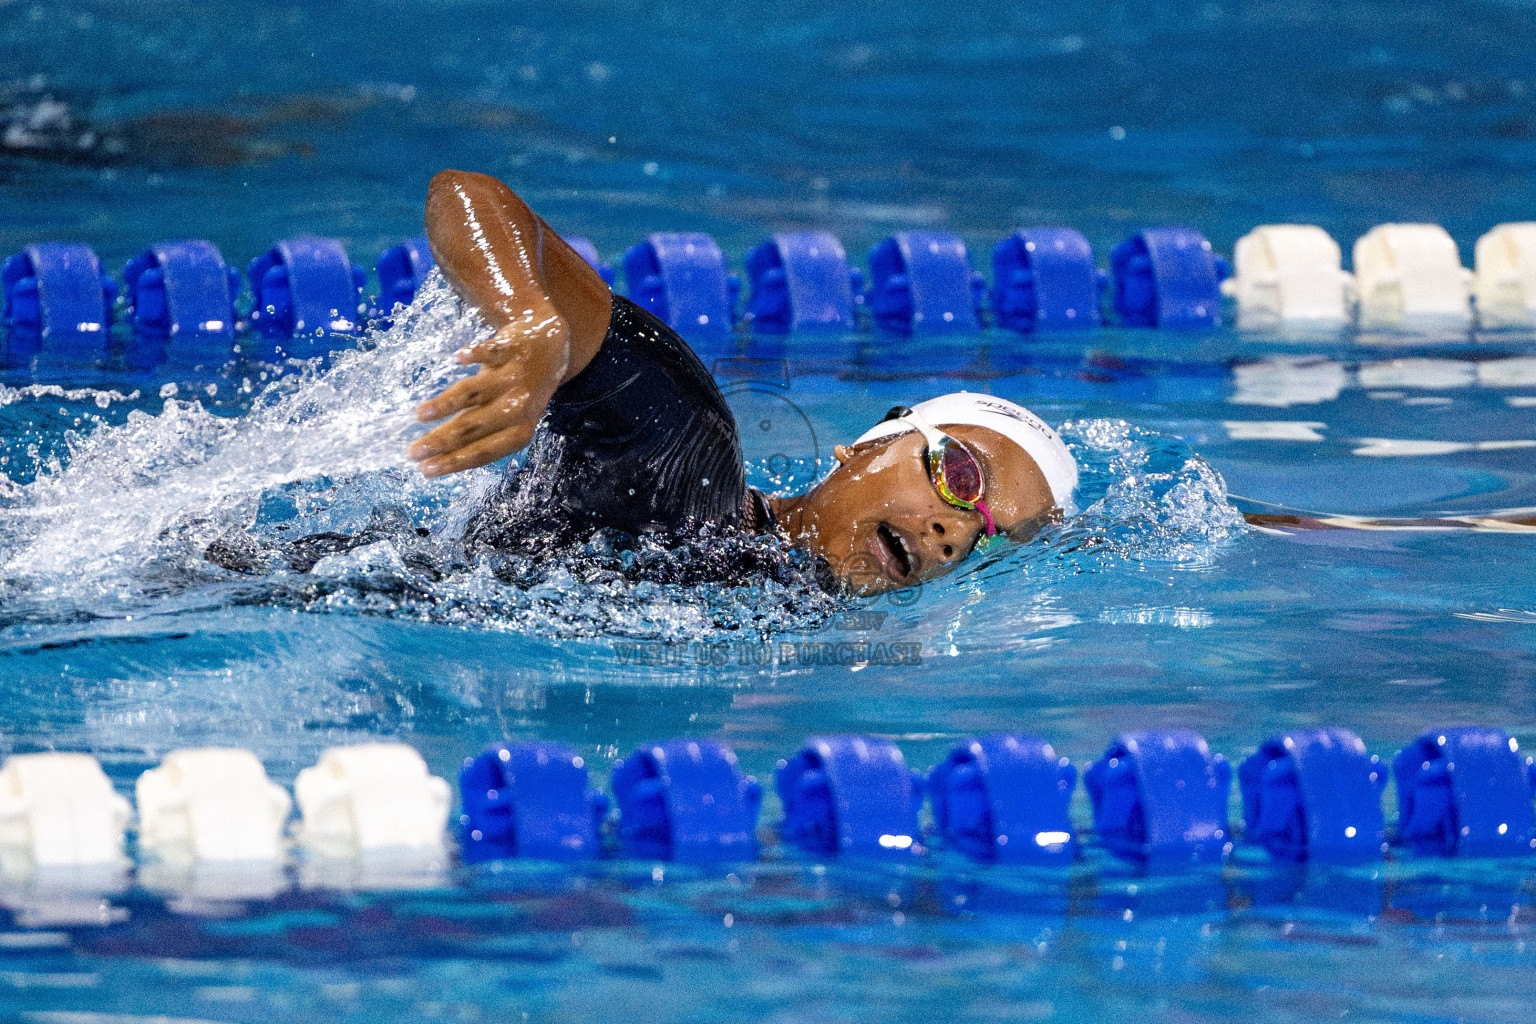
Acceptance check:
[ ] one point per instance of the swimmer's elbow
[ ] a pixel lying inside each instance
(456, 199)
(448, 184)
(445, 196)
(448, 179)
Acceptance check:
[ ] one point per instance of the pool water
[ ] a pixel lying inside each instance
(1152, 606)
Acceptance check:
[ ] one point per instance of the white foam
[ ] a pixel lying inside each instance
(187, 475)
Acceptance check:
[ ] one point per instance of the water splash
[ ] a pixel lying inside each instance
(160, 488)
(1144, 499)
(1147, 497)
(99, 397)
(120, 524)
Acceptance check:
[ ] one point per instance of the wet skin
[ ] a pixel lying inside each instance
(548, 309)
(876, 518)
(879, 522)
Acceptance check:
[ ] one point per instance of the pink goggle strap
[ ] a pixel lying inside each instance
(986, 514)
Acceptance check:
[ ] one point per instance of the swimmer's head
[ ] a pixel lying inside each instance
(882, 520)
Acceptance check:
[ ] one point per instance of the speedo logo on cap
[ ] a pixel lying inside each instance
(1020, 415)
(1001, 408)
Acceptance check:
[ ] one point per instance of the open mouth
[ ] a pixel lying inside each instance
(900, 559)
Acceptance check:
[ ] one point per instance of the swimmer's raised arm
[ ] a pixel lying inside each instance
(548, 309)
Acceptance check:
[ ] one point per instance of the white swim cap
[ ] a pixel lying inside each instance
(1016, 423)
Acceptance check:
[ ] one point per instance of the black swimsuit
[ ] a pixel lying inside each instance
(640, 441)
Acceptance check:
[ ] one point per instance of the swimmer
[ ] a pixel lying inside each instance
(626, 430)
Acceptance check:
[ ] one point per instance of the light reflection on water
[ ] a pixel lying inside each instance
(975, 118)
(1150, 607)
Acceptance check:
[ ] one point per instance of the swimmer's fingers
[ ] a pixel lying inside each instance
(495, 411)
(467, 427)
(469, 393)
(495, 351)
(481, 453)
(536, 365)
(518, 340)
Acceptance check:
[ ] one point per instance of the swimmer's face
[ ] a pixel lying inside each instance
(881, 525)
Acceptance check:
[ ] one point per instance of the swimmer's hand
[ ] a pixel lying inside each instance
(495, 411)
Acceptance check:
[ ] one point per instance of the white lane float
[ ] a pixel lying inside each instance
(1411, 275)
(211, 804)
(59, 811)
(1286, 273)
(1505, 281)
(372, 799)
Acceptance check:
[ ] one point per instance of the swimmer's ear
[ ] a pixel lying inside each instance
(844, 452)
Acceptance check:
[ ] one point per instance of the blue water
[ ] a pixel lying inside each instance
(1152, 607)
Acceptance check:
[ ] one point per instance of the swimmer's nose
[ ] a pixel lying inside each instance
(948, 539)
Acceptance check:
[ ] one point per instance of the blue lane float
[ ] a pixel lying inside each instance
(1161, 796)
(306, 288)
(801, 281)
(304, 291)
(682, 279)
(850, 795)
(402, 270)
(56, 296)
(1465, 792)
(1157, 796)
(1003, 798)
(588, 252)
(1315, 794)
(921, 281)
(529, 800)
(1044, 279)
(1167, 277)
(181, 302)
(686, 800)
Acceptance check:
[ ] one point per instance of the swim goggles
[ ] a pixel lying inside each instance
(954, 472)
